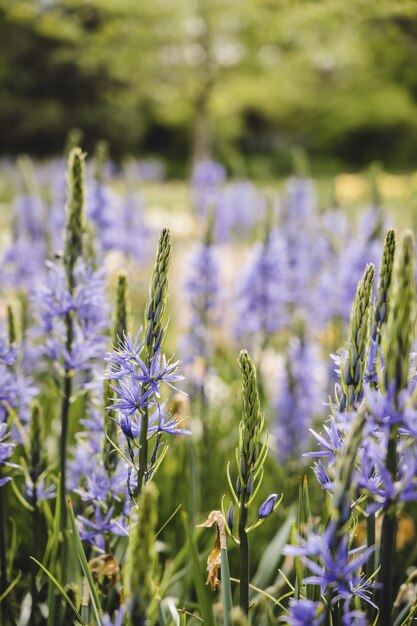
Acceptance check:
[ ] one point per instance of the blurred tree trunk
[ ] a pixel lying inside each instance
(201, 140)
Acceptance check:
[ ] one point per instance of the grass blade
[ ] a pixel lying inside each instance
(10, 587)
(226, 588)
(53, 543)
(61, 590)
(203, 596)
(84, 565)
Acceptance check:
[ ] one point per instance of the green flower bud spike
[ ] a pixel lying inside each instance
(122, 308)
(353, 367)
(397, 344)
(36, 437)
(251, 453)
(384, 284)
(158, 292)
(399, 334)
(74, 230)
(75, 225)
(141, 556)
(380, 312)
(119, 331)
(37, 465)
(11, 326)
(154, 334)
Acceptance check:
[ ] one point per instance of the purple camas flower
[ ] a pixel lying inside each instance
(16, 388)
(131, 235)
(333, 566)
(206, 181)
(23, 262)
(207, 174)
(90, 316)
(387, 410)
(6, 451)
(350, 250)
(299, 398)
(263, 295)
(202, 288)
(88, 477)
(138, 386)
(43, 491)
(300, 199)
(16, 395)
(305, 613)
(301, 226)
(94, 530)
(117, 620)
(238, 207)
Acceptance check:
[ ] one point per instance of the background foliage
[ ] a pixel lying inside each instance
(245, 80)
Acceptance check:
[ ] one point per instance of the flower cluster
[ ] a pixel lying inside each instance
(138, 387)
(88, 308)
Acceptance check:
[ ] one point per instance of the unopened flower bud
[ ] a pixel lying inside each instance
(267, 507)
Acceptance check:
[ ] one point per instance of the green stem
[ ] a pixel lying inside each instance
(388, 541)
(143, 444)
(3, 554)
(371, 563)
(35, 552)
(244, 555)
(65, 409)
(388, 537)
(226, 588)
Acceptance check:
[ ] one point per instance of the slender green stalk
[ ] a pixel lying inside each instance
(154, 336)
(398, 344)
(244, 566)
(143, 447)
(65, 411)
(371, 563)
(226, 587)
(250, 430)
(11, 331)
(74, 231)
(388, 542)
(380, 313)
(3, 553)
(141, 556)
(36, 467)
(353, 368)
(119, 331)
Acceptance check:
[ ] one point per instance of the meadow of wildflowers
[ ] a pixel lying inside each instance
(240, 373)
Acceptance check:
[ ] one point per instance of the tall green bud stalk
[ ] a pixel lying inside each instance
(380, 316)
(141, 555)
(154, 335)
(250, 430)
(398, 342)
(342, 498)
(119, 331)
(74, 230)
(4, 610)
(352, 369)
(37, 466)
(384, 285)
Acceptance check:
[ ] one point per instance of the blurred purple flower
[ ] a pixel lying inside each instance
(263, 295)
(298, 398)
(333, 566)
(305, 613)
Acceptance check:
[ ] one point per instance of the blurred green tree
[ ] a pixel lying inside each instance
(190, 78)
